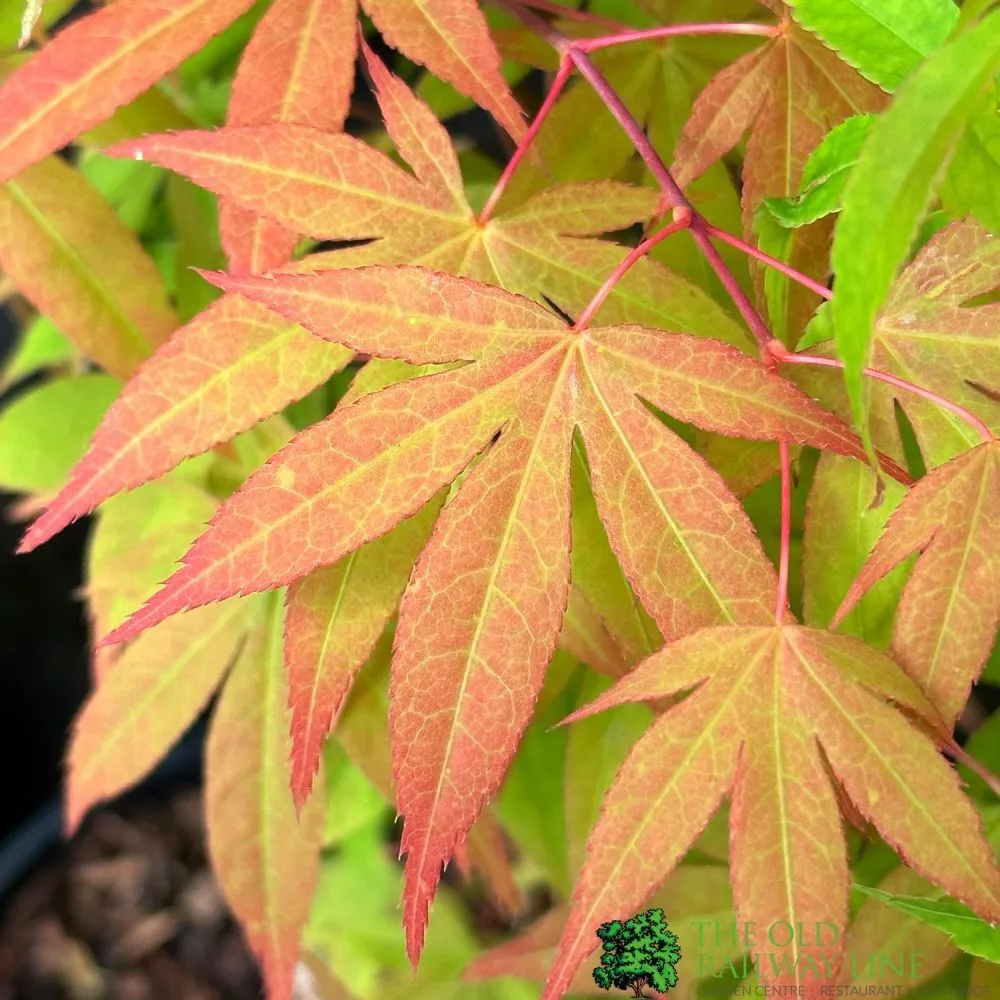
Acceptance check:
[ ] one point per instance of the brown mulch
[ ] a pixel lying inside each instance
(128, 910)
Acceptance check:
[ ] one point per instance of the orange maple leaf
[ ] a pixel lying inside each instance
(484, 607)
(775, 709)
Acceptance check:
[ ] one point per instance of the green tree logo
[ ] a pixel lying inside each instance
(641, 951)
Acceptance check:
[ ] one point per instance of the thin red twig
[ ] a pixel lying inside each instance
(758, 327)
(971, 419)
(633, 258)
(786, 531)
(565, 69)
(675, 30)
(632, 128)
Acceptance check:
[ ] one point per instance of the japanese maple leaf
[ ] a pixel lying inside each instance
(774, 711)
(484, 606)
(352, 192)
(111, 56)
(929, 335)
(238, 363)
(788, 93)
(949, 613)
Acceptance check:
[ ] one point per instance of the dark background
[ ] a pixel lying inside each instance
(43, 652)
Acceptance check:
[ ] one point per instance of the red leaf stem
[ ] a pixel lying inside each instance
(565, 68)
(970, 418)
(634, 256)
(751, 251)
(674, 30)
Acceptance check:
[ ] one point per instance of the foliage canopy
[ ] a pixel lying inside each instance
(679, 423)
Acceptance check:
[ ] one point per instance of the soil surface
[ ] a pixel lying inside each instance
(127, 910)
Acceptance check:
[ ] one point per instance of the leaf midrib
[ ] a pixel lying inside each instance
(638, 361)
(971, 522)
(456, 52)
(271, 751)
(151, 694)
(864, 8)
(328, 632)
(516, 337)
(337, 186)
(263, 224)
(778, 720)
(294, 82)
(246, 361)
(945, 338)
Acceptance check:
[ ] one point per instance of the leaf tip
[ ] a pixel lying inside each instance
(73, 816)
(416, 926)
(301, 785)
(585, 711)
(218, 278)
(30, 540)
(46, 526)
(580, 713)
(842, 612)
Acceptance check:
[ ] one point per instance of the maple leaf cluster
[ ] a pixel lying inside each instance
(544, 451)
